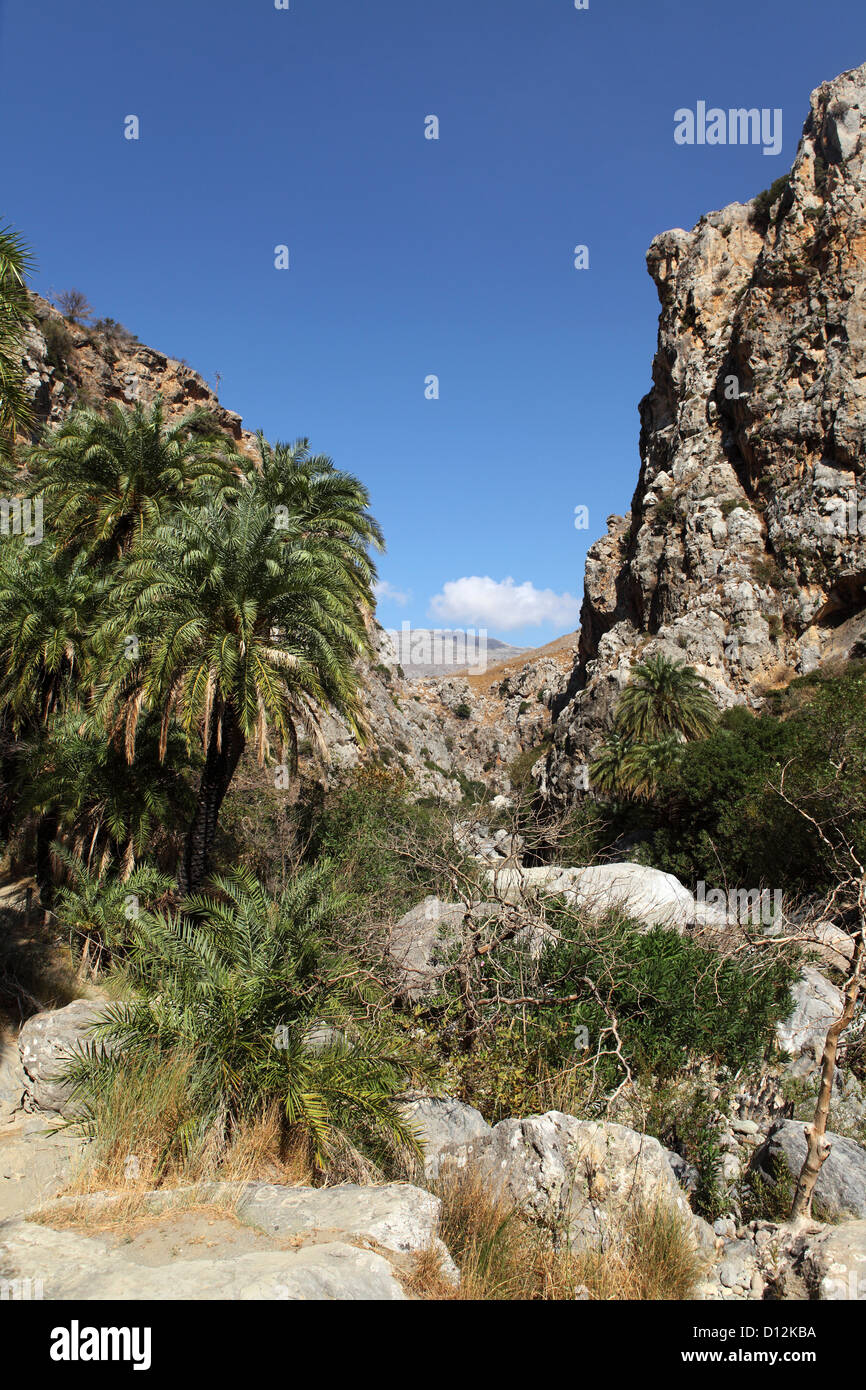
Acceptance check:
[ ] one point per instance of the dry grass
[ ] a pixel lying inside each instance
(146, 1136)
(503, 1256)
(651, 1257)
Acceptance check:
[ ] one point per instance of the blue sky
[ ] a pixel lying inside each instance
(408, 257)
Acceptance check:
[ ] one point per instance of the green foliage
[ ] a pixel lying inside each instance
(664, 697)
(675, 1003)
(520, 769)
(48, 605)
(719, 816)
(463, 711)
(99, 911)
(248, 986)
(16, 311)
(664, 703)
(382, 843)
(58, 344)
(665, 510)
(674, 1000)
(76, 775)
(699, 1131)
(109, 479)
(115, 332)
(763, 202)
(767, 1196)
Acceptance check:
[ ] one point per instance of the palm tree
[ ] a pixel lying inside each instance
(643, 764)
(79, 783)
(247, 984)
(47, 606)
(110, 478)
(664, 697)
(317, 502)
(16, 311)
(606, 767)
(246, 633)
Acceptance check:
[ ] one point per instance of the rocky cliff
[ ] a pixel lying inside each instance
(745, 549)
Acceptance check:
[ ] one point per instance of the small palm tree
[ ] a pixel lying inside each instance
(98, 910)
(246, 984)
(246, 632)
(109, 479)
(664, 697)
(643, 765)
(16, 311)
(606, 767)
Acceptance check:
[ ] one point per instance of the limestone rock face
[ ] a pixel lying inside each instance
(445, 732)
(69, 365)
(832, 1261)
(745, 549)
(581, 1174)
(817, 1004)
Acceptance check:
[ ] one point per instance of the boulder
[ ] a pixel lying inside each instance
(579, 1175)
(647, 895)
(841, 1186)
(817, 1003)
(420, 942)
(397, 1216)
(441, 1121)
(13, 1083)
(46, 1042)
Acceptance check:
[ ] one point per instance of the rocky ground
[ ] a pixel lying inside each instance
(257, 1240)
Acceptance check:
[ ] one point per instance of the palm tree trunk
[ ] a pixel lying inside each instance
(46, 834)
(219, 769)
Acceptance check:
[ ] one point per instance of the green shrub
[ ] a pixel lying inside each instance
(520, 769)
(665, 510)
(463, 711)
(675, 1003)
(717, 815)
(237, 981)
(58, 343)
(762, 204)
(363, 828)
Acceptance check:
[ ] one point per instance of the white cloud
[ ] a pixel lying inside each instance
(383, 590)
(502, 605)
